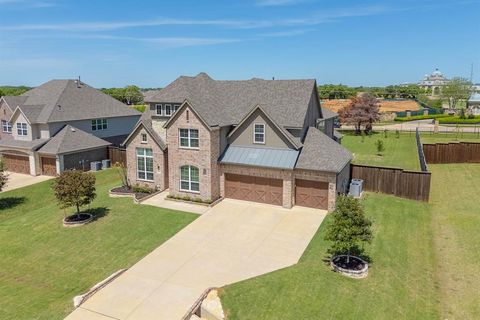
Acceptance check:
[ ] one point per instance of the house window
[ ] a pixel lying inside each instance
(176, 107)
(159, 109)
(321, 125)
(22, 129)
(144, 138)
(189, 179)
(258, 133)
(6, 126)
(145, 164)
(99, 124)
(168, 110)
(189, 138)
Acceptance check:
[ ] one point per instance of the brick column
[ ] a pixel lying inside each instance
(222, 184)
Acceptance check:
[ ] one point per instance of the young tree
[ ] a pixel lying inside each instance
(456, 90)
(74, 189)
(349, 227)
(362, 111)
(3, 175)
(380, 147)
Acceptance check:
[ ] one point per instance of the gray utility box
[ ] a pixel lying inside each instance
(95, 166)
(356, 188)
(106, 164)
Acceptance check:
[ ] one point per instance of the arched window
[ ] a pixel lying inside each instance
(189, 179)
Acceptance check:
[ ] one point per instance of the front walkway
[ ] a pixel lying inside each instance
(20, 180)
(233, 241)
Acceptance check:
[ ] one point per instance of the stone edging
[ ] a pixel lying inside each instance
(194, 202)
(78, 300)
(79, 223)
(356, 274)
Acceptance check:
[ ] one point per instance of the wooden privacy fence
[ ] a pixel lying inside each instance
(454, 152)
(401, 183)
(117, 155)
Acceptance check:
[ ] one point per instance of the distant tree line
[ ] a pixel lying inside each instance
(340, 91)
(13, 90)
(129, 95)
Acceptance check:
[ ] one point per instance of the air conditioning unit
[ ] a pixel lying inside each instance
(356, 188)
(105, 164)
(95, 165)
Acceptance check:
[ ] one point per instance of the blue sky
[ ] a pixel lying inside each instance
(150, 43)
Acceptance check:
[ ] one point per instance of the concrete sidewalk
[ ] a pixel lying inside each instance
(20, 180)
(233, 241)
(160, 200)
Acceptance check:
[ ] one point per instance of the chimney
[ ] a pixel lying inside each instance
(78, 82)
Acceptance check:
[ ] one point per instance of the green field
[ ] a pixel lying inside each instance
(450, 137)
(425, 260)
(399, 152)
(44, 265)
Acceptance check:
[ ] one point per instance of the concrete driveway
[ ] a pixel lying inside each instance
(19, 180)
(233, 241)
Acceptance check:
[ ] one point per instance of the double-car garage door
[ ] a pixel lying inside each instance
(16, 163)
(256, 189)
(313, 194)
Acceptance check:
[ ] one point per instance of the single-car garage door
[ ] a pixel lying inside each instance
(16, 163)
(313, 194)
(49, 166)
(257, 189)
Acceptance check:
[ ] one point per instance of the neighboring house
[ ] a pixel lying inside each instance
(258, 140)
(473, 104)
(62, 124)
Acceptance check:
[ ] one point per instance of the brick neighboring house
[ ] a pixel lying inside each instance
(259, 140)
(62, 124)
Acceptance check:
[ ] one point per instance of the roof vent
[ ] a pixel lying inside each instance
(72, 129)
(59, 107)
(78, 82)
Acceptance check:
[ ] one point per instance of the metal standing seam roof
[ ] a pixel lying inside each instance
(260, 157)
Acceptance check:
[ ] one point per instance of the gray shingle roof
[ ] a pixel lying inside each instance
(222, 102)
(475, 97)
(64, 100)
(146, 122)
(71, 139)
(260, 157)
(8, 142)
(14, 101)
(321, 153)
(327, 113)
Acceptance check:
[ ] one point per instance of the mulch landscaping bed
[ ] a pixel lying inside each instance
(353, 264)
(125, 190)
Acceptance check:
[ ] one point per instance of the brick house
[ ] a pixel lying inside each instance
(258, 140)
(59, 125)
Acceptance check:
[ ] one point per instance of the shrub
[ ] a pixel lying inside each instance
(422, 117)
(142, 189)
(3, 175)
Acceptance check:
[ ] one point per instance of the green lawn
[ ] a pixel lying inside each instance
(456, 221)
(401, 283)
(399, 152)
(437, 244)
(450, 137)
(44, 265)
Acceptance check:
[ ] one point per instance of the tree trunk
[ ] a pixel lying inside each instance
(78, 210)
(348, 256)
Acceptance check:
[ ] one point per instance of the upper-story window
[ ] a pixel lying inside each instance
(168, 110)
(176, 107)
(158, 107)
(22, 129)
(258, 133)
(99, 124)
(6, 126)
(144, 137)
(188, 138)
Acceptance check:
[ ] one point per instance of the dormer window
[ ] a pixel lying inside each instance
(22, 129)
(6, 126)
(159, 109)
(168, 110)
(259, 133)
